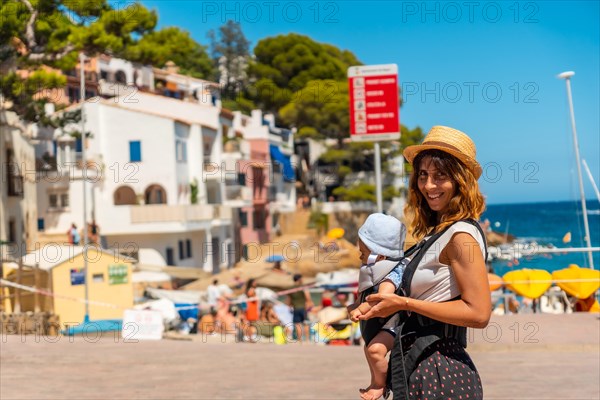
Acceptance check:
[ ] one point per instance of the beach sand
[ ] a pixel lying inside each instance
(518, 356)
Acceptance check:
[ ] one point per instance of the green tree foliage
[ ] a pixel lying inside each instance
(356, 192)
(321, 105)
(318, 220)
(172, 44)
(409, 137)
(20, 91)
(364, 192)
(53, 32)
(284, 64)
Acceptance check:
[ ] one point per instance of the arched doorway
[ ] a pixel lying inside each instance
(124, 195)
(120, 77)
(155, 194)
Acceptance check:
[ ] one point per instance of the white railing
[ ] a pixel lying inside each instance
(179, 213)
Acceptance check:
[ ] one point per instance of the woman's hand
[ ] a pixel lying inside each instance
(383, 305)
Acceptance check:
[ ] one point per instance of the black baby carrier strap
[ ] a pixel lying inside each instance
(371, 327)
(418, 329)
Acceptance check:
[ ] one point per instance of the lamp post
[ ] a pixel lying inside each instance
(82, 59)
(567, 77)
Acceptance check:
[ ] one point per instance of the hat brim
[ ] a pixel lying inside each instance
(411, 152)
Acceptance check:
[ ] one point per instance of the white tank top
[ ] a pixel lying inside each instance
(434, 281)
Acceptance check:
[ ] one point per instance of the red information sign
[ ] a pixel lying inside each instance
(374, 112)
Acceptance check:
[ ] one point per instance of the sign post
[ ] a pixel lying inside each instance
(374, 110)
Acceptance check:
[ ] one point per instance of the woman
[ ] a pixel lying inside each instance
(252, 307)
(448, 290)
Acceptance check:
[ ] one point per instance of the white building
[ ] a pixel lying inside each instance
(144, 155)
(18, 211)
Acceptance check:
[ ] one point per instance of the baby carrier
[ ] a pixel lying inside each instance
(418, 328)
(371, 277)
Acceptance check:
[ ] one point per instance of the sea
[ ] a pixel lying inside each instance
(546, 223)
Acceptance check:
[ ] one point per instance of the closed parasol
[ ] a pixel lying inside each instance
(530, 283)
(577, 282)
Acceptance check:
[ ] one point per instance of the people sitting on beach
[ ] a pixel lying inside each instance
(267, 313)
(225, 320)
(208, 322)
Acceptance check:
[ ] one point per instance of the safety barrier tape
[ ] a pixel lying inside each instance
(4, 282)
(48, 293)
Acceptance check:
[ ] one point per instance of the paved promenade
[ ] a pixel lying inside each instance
(519, 357)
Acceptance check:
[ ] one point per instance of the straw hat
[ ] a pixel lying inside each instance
(451, 141)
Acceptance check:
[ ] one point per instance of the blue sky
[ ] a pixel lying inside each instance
(487, 68)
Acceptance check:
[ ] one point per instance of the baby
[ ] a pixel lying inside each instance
(381, 242)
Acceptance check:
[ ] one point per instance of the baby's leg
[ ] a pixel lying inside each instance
(376, 352)
(369, 363)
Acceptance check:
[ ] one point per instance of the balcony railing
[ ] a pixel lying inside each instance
(15, 186)
(182, 213)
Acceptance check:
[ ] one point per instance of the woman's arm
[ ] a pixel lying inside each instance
(474, 307)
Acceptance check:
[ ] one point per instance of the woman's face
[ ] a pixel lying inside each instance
(435, 185)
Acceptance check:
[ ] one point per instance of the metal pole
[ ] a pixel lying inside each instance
(589, 174)
(378, 178)
(84, 181)
(581, 192)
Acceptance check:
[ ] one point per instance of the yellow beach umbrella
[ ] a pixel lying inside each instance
(577, 282)
(336, 233)
(530, 283)
(495, 282)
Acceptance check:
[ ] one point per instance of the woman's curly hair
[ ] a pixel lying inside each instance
(466, 202)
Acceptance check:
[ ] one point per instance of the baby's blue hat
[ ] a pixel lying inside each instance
(384, 235)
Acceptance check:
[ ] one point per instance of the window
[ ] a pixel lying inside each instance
(41, 224)
(243, 218)
(169, 256)
(135, 151)
(181, 151)
(58, 200)
(12, 230)
(242, 179)
(188, 248)
(104, 75)
(53, 200)
(98, 278)
(64, 200)
(73, 94)
(181, 253)
(259, 218)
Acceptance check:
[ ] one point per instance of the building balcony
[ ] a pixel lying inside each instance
(180, 213)
(163, 218)
(15, 186)
(117, 89)
(238, 195)
(212, 170)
